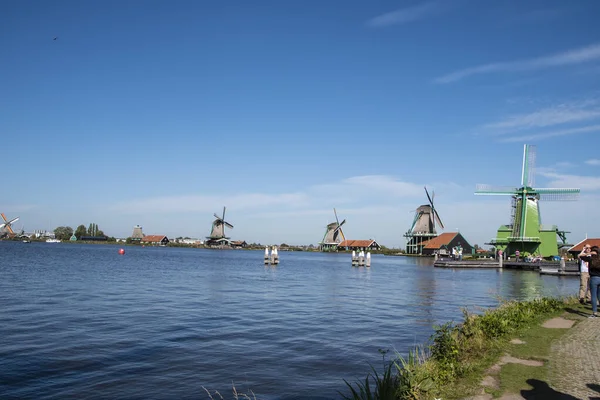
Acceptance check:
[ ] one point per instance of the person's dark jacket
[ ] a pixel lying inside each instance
(593, 264)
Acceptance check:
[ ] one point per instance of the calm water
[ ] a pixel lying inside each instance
(82, 321)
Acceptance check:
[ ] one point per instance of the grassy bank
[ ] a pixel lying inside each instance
(453, 363)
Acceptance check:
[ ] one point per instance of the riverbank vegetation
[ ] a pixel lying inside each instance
(453, 363)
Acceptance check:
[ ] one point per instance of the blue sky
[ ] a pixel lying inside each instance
(160, 113)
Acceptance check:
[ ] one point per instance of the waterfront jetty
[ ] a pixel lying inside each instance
(562, 268)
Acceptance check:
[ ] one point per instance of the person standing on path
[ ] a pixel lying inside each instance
(593, 260)
(584, 276)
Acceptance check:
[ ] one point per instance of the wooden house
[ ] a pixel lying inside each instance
(365, 245)
(157, 240)
(239, 244)
(575, 250)
(444, 243)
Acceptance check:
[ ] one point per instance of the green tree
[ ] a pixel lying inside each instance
(63, 232)
(92, 229)
(80, 231)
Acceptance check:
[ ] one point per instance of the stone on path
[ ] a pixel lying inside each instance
(513, 360)
(558, 323)
(517, 341)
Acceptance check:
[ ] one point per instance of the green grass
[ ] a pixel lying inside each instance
(537, 345)
(514, 377)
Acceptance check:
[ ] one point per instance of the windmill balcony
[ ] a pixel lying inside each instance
(531, 239)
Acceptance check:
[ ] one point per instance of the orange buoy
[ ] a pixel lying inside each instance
(121, 251)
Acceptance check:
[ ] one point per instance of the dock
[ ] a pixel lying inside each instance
(571, 268)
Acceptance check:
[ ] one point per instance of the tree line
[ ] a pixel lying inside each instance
(65, 232)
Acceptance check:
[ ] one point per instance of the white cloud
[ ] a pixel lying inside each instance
(593, 161)
(570, 57)
(565, 164)
(405, 15)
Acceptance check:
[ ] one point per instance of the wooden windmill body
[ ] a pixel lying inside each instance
(423, 227)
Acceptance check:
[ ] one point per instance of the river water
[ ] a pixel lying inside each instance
(81, 321)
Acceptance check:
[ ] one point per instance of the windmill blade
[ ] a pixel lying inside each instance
(4, 217)
(437, 217)
(429, 197)
(339, 226)
(490, 190)
(417, 216)
(529, 156)
(227, 224)
(336, 217)
(7, 224)
(562, 194)
(217, 217)
(223, 213)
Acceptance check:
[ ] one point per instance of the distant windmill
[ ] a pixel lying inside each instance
(423, 226)
(334, 235)
(525, 231)
(6, 226)
(217, 233)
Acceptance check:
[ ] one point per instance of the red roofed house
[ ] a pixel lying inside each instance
(443, 244)
(359, 245)
(575, 250)
(159, 240)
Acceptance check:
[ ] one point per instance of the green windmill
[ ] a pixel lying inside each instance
(526, 232)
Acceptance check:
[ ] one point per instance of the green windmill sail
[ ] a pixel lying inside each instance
(526, 232)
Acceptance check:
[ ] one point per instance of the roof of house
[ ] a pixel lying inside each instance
(238, 242)
(153, 238)
(357, 243)
(440, 240)
(579, 246)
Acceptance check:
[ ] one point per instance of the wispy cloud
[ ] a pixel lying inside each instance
(573, 181)
(405, 15)
(560, 114)
(552, 134)
(568, 118)
(593, 161)
(570, 57)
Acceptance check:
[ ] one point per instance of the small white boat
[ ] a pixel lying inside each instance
(52, 240)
